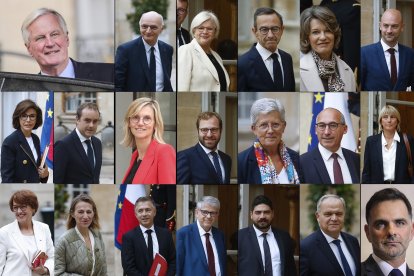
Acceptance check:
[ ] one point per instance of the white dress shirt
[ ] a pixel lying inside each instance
(155, 246)
(328, 160)
(344, 248)
(386, 267)
(32, 147)
(68, 72)
(274, 250)
(268, 61)
(208, 152)
(159, 74)
(84, 145)
(387, 55)
(202, 233)
(388, 156)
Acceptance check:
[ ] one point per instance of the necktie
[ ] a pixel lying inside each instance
(345, 264)
(395, 272)
(210, 256)
(217, 166)
(150, 247)
(268, 258)
(338, 179)
(180, 38)
(90, 153)
(393, 66)
(152, 70)
(277, 73)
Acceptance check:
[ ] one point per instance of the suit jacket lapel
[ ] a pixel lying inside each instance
(142, 244)
(320, 167)
(257, 178)
(195, 236)
(18, 238)
(326, 248)
(260, 68)
(81, 151)
(219, 247)
(24, 145)
(378, 159)
(371, 267)
(281, 251)
(351, 251)
(351, 167)
(226, 167)
(146, 163)
(204, 59)
(383, 63)
(255, 243)
(206, 160)
(40, 236)
(402, 60)
(309, 74)
(398, 155)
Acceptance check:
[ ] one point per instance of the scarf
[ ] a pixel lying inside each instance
(327, 71)
(267, 169)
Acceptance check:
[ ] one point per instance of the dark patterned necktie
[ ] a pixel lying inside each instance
(338, 178)
(393, 66)
(217, 166)
(210, 256)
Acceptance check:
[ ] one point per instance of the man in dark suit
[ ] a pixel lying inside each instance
(45, 36)
(141, 244)
(329, 163)
(145, 64)
(78, 156)
(164, 197)
(183, 36)
(329, 251)
(388, 65)
(262, 239)
(389, 229)
(201, 248)
(203, 163)
(265, 67)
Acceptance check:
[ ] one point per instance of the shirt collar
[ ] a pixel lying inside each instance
(143, 229)
(81, 137)
(148, 47)
(260, 232)
(206, 150)
(386, 267)
(329, 239)
(326, 154)
(395, 138)
(385, 47)
(265, 53)
(68, 72)
(202, 232)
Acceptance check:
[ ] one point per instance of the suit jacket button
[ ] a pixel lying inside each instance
(24, 162)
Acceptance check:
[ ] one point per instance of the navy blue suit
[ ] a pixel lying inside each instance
(132, 70)
(17, 160)
(194, 167)
(71, 164)
(373, 171)
(103, 72)
(248, 169)
(375, 75)
(313, 169)
(250, 258)
(191, 259)
(370, 268)
(252, 74)
(135, 262)
(317, 257)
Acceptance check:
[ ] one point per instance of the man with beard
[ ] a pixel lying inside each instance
(389, 229)
(329, 251)
(204, 163)
(263, 249)
(388, 65)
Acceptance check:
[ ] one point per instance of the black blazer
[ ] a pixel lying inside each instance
(373, 171)
(71, 164)
(135, 261)
(103, 72)
(186, 35)
(17, 160)
(252, 74)
(371, 268)
(313, 169)
(248, 169)
(131, 66)
(317, 258)
(250, 258)
(195, 167)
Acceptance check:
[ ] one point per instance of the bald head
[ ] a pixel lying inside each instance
(391, 26)
(330, 128)
(151, 24)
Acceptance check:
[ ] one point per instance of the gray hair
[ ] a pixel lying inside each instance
(203, 16)
(153, 13)
(318, 205)
(265, 106)
(208, 200)
(35, 15)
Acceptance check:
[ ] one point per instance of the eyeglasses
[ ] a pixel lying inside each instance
(31, 117)
(146, 120)
(205, 213)
(213, 130)
(22, 208)
(332, 126)
(265, 126)
(152, 27)
(181, 11)
(207, 29)
(265, 30)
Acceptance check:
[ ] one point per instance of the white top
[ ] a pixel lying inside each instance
(32, 147)
(268, 61)
(283, 177)
(328, 160)
(85, 147)
(31, 245)
(347, 254)
(388, 156)
(92, 239)
(68, 72)
(387, 55)
(159, 74)
(274, 250)
(208, 152)
(386, 267)
(202, 233)
(155, 245)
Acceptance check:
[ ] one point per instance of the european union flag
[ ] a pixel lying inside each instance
(318, 103)
(47, 131)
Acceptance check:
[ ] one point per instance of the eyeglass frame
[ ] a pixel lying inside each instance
(206, 130)
(152, 27)
(32, 117)
(23, 208)
(207, 29)
(259, 126)
(136, 119)
(334, 124)
(274, 29)
(205, 213)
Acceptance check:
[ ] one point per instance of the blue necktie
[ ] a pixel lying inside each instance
(395, 272)
(268, 258)
(90, 153)
(217, 166)
(277, 73)
(345, 264)
(152, 71)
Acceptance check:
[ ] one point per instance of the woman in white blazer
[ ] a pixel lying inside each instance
(320, 68)
(23, 238)
(200, 68)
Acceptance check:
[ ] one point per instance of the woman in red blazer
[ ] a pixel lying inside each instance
(153, 161)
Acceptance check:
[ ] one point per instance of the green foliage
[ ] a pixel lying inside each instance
(61, 196)
(345, 191)
(143, 6)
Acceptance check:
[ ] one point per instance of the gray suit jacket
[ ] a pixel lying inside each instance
(371, 268)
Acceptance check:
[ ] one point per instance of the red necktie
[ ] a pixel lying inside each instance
(393, 66)
(338, 179)
(210, 255)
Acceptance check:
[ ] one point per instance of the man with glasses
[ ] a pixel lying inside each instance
(201, 248)
(329, 163)
(265, 67)
(183, 36)
(145, 64)
(204, 163)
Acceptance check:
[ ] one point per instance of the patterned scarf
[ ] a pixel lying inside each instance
(327, 71)
(268, 170)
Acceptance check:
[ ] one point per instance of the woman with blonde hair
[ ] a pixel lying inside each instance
(153, 161)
